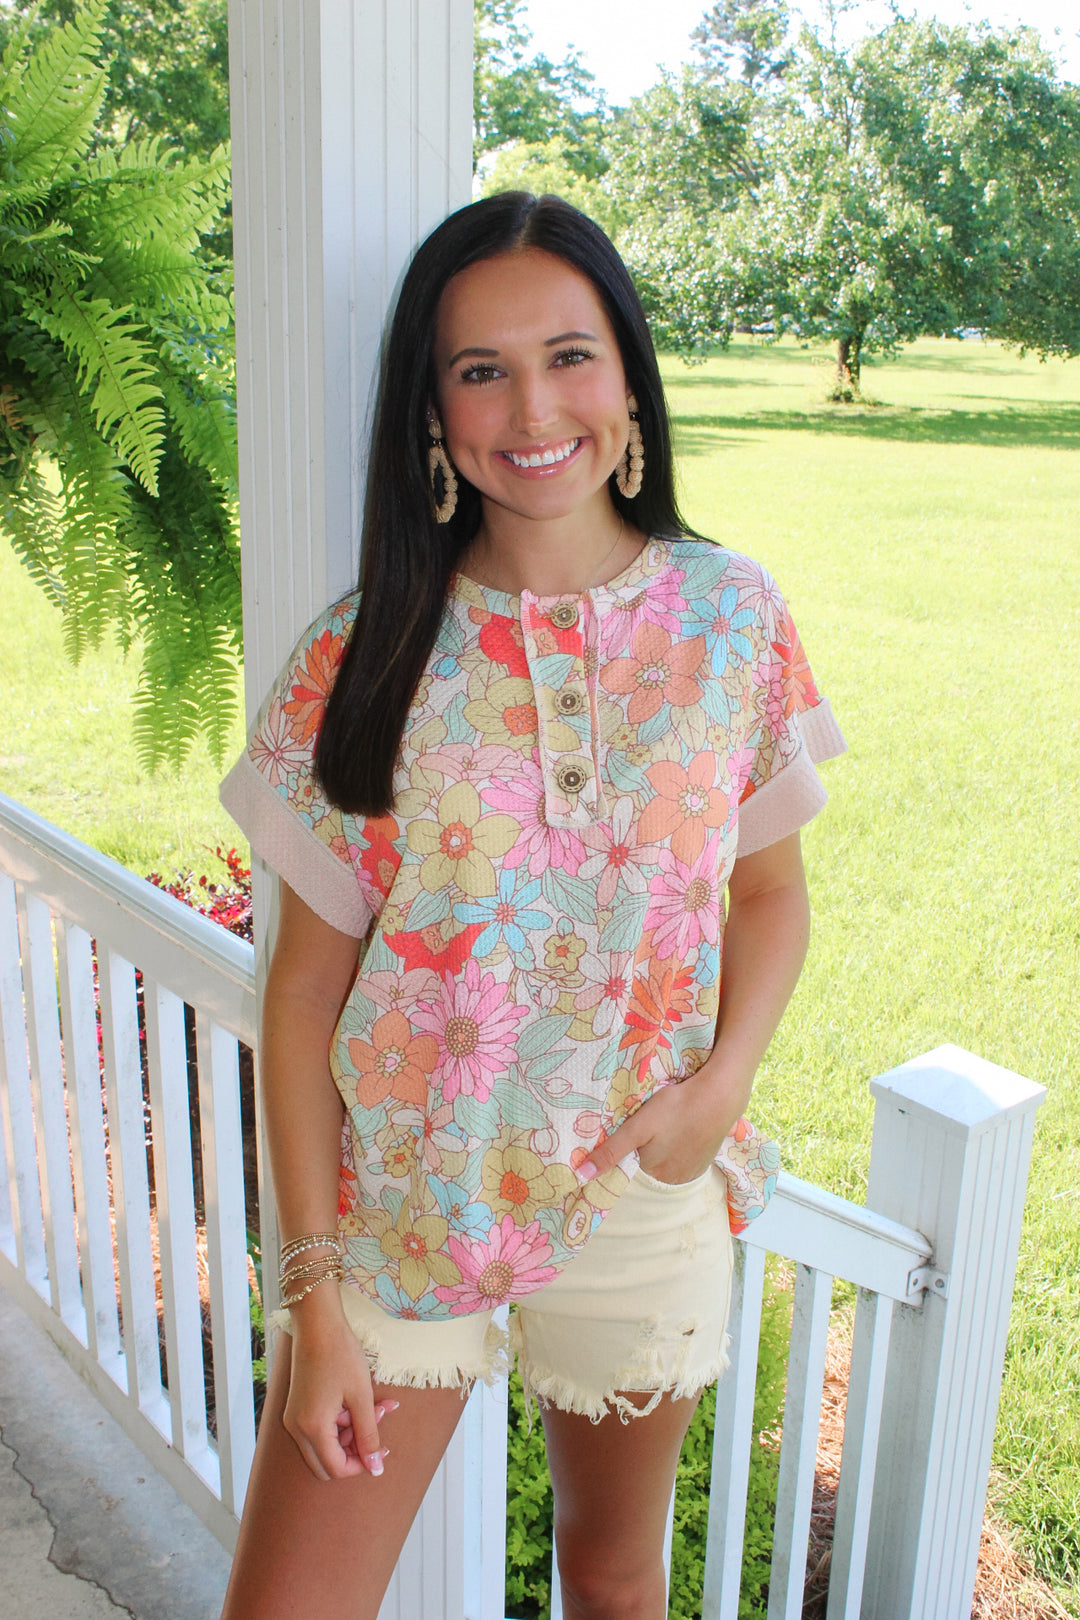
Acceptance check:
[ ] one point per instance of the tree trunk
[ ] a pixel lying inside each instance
(849, 363)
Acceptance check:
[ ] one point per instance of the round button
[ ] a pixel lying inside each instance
(570, 701)
(565, 616)
(571, 778)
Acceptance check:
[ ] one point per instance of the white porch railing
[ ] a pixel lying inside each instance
(952, 1140)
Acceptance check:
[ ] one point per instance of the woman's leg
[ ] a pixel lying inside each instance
(613, 1482)
(328, 1548)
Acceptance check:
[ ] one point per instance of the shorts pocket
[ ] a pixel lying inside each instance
(672, 1186)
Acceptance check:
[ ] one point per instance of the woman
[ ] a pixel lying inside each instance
(504, 839)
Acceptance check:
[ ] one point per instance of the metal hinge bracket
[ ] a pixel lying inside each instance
(924, 1279)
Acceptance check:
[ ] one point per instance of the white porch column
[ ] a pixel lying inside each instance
(952, 1142)
(352, 138)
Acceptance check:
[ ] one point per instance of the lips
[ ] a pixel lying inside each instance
(548, 456)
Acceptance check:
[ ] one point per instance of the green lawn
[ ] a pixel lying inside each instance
(930, 549)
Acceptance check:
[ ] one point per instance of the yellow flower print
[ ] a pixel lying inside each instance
(515, 1182)
(506, 713)
(398, 1150)
(458, 846)
(414, 1242)
(624, 1095)
(562, 953)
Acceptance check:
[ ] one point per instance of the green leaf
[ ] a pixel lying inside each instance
(542, 1035)
(624, 930)
(569, 894)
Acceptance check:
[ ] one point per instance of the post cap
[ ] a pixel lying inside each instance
(952, 1084)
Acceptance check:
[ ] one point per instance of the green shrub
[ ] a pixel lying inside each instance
(529, 1503)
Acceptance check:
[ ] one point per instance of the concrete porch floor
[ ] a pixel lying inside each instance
(88, 1531)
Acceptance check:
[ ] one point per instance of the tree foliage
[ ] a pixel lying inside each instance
(117, 397)
(523, 98)
(166, 67)
(926, 181)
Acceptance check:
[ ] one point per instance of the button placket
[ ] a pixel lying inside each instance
(564, 707)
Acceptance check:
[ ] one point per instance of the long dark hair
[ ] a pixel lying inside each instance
(407, 557)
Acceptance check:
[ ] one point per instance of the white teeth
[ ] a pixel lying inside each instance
(545, 458)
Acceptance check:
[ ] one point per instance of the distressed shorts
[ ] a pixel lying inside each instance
(642, 1309)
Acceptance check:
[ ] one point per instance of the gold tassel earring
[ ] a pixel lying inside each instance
(628, 473)
(439, 463)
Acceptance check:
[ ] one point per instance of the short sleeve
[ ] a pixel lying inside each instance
(793, 730)
(272, 792)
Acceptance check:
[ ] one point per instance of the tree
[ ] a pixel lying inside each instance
(750, 35)
(517, 97)
(167, 67)
(117, 399)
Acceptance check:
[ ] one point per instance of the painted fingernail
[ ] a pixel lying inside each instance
(586, 1170)
(374, 1463)
(390, 1406)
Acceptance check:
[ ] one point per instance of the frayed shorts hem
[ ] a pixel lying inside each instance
(581, 1343)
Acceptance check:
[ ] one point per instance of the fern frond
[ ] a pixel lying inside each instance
(114, 359)
(95, 502)
(52, 105)
(31, 515)
(149, 192)
(203, 413)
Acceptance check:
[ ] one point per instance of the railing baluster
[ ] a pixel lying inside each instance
(82, 1067)
(862, 1428)
(23, 1185)
(131, 1196)
(50, 1115)
(485, 1425)
(221, 1134)
(732, 1439)
(166, 1052)
(798, 1448)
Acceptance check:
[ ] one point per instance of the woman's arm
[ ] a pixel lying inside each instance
(330, 1412)
(678, 1131)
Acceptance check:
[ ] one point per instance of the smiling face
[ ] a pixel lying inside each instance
(530, 385)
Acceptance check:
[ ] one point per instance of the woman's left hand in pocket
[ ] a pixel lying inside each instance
(678, 1131)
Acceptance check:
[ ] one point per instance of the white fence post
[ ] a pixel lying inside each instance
(952, 1142)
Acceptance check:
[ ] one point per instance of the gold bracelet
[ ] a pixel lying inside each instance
(294, 1299)
(313, 1240)
(308, 1268)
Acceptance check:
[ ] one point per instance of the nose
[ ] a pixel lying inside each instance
(533, 404)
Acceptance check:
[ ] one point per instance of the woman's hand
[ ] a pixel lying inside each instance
(678, 1130)
(331, 1411)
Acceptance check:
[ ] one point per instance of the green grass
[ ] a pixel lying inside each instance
(930, 549)
(68, 752)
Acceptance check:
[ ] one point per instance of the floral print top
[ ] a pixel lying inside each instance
(542, 913)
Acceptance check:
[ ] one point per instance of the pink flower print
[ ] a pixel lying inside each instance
(274, 750)
(504, 1266)
(619, 857)
(659, 603)
(607, 988)
(658, 671)
(388, 989)
(770, 675)
(476, 1028)
(541, 846)
(434, 1139)
(458, 761)
(684, 904)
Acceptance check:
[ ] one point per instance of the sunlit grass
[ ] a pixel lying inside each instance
(935, 575)
(67, 750)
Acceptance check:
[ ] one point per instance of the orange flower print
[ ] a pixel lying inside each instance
(800, 692)
(311, 685)
(656, 673)
(687, 807)
(501, 639)
(394, 1063)
(380, 860)
(658, 1002)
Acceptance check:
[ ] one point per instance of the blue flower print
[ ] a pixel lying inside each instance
(723, 624)
(473, 1220)
(506, 915)
(399, 1303)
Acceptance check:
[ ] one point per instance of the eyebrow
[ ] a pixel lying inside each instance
(492, 354)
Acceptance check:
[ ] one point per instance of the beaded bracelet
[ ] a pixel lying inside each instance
(308, 1269)
(313, 1240)
(335, 1273)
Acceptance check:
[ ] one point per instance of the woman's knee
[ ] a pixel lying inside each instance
(610, 1583)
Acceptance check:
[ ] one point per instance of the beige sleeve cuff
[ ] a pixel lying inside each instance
(294, 850)
(796, 793)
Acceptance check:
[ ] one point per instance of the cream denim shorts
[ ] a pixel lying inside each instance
(642, 1309)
